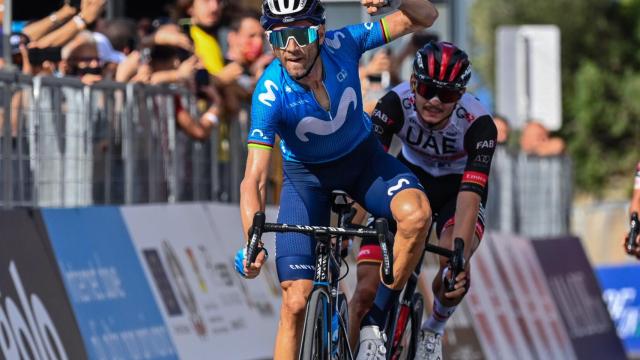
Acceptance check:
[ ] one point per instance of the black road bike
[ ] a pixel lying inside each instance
(325, 334)
(405, 321)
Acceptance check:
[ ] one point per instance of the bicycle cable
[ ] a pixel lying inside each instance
(346, 272)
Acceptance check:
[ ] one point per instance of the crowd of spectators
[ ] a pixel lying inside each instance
(213, 48)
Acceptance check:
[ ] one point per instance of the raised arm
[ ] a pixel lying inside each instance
(412, 15)
(635, 198)
(38, 29)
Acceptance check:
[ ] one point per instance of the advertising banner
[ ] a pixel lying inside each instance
(209, 310)
(621, 292)
(578, 298)
(494, 318)
(109, 293)
(530, 298)
(36, 319)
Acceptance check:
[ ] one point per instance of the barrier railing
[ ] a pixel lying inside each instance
(530, 195)
(63, 143)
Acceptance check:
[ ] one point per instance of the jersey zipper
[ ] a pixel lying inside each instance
(328, 97)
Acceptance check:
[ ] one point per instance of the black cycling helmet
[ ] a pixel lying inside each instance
(442, 64)
(286, 11)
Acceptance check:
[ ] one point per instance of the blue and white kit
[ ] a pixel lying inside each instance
(324, 150)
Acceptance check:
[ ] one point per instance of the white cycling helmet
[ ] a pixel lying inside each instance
(286, 11)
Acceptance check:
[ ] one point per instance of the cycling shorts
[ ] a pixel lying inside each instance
(442, 192)
(368, 174)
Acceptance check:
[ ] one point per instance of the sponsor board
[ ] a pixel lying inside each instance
(206, 305)
(36, 319)
(488, 299)
(538, 317)
(621, 292)
(578, 298)
(109, 293)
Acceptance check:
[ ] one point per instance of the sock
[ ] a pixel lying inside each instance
(439, 317)
(385, 298)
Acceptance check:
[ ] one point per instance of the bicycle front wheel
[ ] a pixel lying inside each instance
(408, 325)
(342, 350)
(316, 335)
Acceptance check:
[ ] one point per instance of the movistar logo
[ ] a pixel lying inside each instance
(317, 126)
(335, 41)
(397, 186)
(268, 95)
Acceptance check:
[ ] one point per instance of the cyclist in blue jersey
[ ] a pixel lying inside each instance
(311, 97)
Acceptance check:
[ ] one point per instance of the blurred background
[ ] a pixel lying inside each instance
(114, 102)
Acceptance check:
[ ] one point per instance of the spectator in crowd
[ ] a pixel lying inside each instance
(245, 53)
(246, 48)
(375, 78)
(503, 129)
(80, 58)
(535, 140)
(122, 33)
(108, 56)
(90, 10)
(39, 28)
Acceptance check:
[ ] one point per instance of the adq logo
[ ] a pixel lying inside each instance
(33, 336)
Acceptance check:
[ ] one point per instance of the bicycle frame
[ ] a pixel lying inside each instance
(397, 324)
(327, 270)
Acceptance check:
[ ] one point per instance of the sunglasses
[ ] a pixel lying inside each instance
(429, 91)
(302, 35)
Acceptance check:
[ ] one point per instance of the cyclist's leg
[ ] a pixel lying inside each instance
(386, 188)
(368, 277)
(303, 201)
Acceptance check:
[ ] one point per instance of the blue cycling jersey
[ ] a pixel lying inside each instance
(308, 133)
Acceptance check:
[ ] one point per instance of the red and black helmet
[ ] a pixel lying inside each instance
(442, 64)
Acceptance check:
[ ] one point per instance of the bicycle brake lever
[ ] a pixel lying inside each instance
(456, 264)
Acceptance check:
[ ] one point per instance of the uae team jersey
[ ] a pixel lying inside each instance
(464, 146)
(308, 133)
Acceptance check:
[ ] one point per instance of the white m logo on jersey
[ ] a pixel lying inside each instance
(268, 95)
(397, 186)
(317, 126)
(335, 42)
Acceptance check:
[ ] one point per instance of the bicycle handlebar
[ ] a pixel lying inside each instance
(634, 229)
(256, 235)
(381, 232)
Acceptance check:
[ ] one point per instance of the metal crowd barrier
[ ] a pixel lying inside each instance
(530, 195)
(64, 144)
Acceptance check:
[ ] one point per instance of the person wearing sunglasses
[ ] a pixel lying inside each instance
(310, 96)
(448, 140)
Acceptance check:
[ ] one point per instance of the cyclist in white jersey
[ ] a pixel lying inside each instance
(448, 140)
(311, 97)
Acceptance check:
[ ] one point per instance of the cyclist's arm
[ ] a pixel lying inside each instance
(635, 198)
(253, 189)
(265, 114)
(480, 142)
(635, 202)
(387, 118)
(413, 15)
